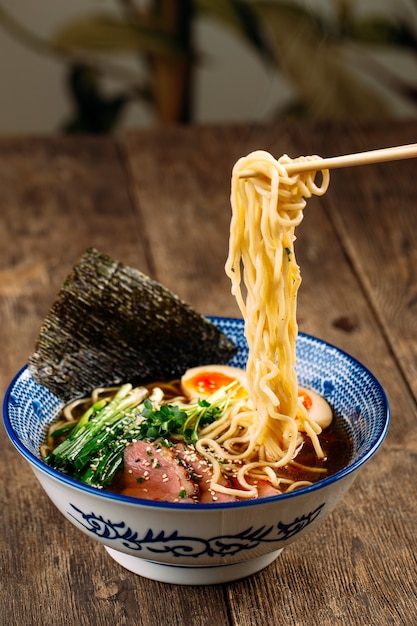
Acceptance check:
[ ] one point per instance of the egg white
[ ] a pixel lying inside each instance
(320, 410)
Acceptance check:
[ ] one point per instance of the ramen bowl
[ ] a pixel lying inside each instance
(218, 542)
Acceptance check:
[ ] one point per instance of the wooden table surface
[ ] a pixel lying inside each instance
(159, 200)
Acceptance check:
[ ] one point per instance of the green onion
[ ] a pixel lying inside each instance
(97, 426)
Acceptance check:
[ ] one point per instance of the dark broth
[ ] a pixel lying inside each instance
(306, 466)
(337, 447)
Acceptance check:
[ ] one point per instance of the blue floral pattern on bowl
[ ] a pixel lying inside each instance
(179, 545)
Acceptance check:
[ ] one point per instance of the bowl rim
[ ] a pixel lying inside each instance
(59, 477)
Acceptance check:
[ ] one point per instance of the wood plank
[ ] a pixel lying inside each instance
(381, 245)
(58, 197)
(347, 572)
(181, 185)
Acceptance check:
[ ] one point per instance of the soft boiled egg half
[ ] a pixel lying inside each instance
(318, 409)
(203, 381)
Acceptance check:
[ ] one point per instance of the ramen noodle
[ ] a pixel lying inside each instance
(267, 206)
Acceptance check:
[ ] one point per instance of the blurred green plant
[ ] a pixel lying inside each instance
(328, 55)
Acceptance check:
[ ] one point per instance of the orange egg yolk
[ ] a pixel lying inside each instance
(206, 383)
(306, 400)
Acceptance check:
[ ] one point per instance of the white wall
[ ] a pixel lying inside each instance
(231, 83)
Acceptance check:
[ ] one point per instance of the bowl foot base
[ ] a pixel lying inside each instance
(184, 575)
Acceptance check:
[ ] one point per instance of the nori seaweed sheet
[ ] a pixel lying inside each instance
(112, 324)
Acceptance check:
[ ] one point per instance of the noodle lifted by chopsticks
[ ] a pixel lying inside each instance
(266, 209)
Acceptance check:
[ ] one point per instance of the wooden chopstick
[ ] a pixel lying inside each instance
(396, 153)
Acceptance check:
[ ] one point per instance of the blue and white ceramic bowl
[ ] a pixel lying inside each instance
(208, 543)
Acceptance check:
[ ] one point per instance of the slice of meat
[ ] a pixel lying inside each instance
(202, 473)
(152, 472)
(266, 490)
(175, 474)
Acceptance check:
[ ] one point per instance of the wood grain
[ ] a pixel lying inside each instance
(159, 200)
(374, 216)
(57, 198)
